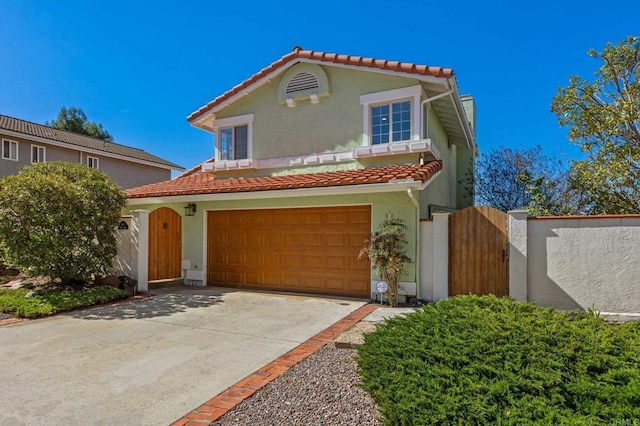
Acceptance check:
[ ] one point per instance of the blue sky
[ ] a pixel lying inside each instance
(140, 68)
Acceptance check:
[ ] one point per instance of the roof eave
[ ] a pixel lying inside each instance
(90, 150)
(286, 193)
(198, 117)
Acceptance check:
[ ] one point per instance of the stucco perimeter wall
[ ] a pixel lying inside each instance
(577, 263)
(193, 228)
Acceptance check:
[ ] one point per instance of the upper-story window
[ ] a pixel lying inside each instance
(38, 154)
(92, 162)
(9, 150)
(391, 122)
(234, 136)
(391, 116)
(233, 143)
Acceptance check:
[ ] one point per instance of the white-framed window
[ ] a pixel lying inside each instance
(391, 122)
(234, 138)
(233, 142)
(92, 162)
(391, 116)
(38, 154)
(9, 150)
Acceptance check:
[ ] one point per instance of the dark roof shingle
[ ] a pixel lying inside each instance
(82, 141)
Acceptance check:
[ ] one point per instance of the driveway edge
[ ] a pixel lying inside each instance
(220, 404)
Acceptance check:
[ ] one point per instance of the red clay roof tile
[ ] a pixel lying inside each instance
(299, 53)
(207, 183)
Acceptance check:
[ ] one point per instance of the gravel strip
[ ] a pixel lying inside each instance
(5, 316)
(321, 390)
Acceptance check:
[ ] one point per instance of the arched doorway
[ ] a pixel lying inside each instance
(165, 244)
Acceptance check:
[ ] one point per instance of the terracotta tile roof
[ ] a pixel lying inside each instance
(197, 168)
(28, 128)
(299, 53)
(207, 183)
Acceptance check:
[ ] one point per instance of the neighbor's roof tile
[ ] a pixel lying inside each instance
(207, 183)
(81, 141)
(299, 53)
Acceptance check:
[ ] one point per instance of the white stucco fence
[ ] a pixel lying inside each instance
(576, 262)
(567, 263)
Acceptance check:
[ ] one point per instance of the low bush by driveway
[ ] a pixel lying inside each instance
(42, 303)
(488, 360)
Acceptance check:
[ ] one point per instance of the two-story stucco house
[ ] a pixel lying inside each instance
(311, 153)
(24, 143)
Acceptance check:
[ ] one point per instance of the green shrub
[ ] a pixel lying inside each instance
(53, 301)
(488, 360)
(58, 219)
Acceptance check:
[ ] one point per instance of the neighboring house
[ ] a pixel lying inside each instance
(311, 153)
(24, 143)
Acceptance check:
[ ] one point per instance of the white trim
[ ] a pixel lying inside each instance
(96, 159)
(231, 122)
(390, 95)
(411, 93)
(17, 144)
(205, 238)
(44, 153)
(286, 193)
(404, 147)
(88, 150)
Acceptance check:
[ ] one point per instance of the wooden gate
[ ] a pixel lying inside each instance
(165, 244)
(478, 252)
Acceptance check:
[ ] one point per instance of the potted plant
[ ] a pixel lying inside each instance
(386, 248)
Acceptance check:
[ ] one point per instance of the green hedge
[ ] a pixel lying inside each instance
(54, 301)
(488, 360)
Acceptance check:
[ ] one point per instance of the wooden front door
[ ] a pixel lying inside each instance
(478, 252)
(309, 250)
(165, 244)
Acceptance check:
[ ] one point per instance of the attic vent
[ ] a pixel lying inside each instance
(302, 81)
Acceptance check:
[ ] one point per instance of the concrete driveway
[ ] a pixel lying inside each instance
(148, 362)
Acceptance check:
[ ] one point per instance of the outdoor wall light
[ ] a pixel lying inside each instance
(190, 209)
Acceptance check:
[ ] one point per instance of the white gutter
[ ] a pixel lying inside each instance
(424, 121)
(400, 185)
(455, 97)
(417, 261)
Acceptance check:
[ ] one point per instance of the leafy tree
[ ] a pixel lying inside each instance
(386, 250)
(75, 120)
(58, 219)
(603, 118)
(510, 179)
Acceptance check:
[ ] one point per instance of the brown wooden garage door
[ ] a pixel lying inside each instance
(309, 250)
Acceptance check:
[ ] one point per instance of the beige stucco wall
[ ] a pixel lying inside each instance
(129, 175)
(126, 174)
(53, 153)
(579, 263)
(334, 124)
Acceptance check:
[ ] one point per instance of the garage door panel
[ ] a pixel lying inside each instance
(303, 250)
(253, 259)
(254, 239)
(315, 239)
(357, 240)
(336, 239)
